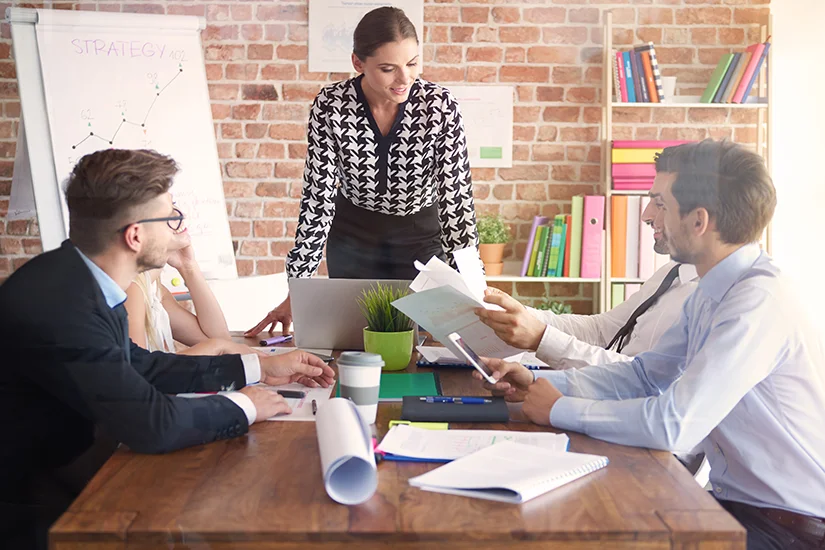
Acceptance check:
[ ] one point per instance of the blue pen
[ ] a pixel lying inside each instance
(459, 400)
(276, 340)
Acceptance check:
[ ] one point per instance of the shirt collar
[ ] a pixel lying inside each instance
(112, 292)
(723, 275)
(687, 274)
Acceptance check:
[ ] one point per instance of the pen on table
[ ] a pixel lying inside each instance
(314, 407)
(276, 340)
(460, 400)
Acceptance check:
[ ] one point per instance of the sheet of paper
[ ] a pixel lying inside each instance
(444, 310)
(488, 122)
(271, 350)
(469, 265)
(301, 408)
(451, 444)
(439, 354)
(345, 446)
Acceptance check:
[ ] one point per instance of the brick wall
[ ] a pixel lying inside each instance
(550, 50)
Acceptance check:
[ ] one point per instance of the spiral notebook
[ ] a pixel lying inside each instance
(509, 472)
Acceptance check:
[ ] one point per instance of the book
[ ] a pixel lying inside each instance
(592, 228)
(633, 185)
(568, 236)
(407, 443)
(621, 77)
(657, 74)
(521, 472)
(553, 260)
(533, 252)
(755, 51)
(628, 71)
(617, 294)
(756, 72)
(647, 143)
(548, 249)
(737, 77)
(716, 79)
(650, 84)
(577, 214)
(634, 156)
(720, 92)
(542, 247)
(639, 78)
(525, 264)
(562, 241)
(617, 92)
(632, 237)
(633, 170)
(618, 223)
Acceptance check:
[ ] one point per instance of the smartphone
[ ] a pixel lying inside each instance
(323, 357)
(472, 357)
(292, 394)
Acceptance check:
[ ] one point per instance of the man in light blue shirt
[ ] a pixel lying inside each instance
(742, 370)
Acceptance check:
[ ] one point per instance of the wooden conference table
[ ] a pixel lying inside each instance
(264, 491)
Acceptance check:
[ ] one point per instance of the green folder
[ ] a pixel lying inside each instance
(395, 385)
(543, 251)
(550, 268)
(576, 236)
(716, 79)
(617, 294)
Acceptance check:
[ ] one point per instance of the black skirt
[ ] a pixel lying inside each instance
(363, 244)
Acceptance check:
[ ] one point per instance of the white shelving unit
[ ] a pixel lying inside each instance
(512, 270)
(759, 101)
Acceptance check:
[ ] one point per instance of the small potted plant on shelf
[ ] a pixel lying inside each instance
(559, 308)
(389, 333)
(493, 235)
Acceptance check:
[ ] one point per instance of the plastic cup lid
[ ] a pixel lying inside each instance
(360, 359)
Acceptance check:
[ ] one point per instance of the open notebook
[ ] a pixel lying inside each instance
(509, 472)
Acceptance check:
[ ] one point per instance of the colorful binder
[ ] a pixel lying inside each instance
(618, 235)
(577, 215)
(592, 227)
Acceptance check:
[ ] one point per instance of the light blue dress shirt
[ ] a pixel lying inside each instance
(112, 292)
(741, 371)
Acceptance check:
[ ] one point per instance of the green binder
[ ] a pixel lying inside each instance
(716, 79)
(395, 385)
(576, 236)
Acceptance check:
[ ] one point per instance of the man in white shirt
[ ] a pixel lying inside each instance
(742, 370)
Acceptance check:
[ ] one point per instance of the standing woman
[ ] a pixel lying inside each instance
(387, 177)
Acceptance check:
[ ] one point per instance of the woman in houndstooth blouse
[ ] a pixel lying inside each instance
(387, 177)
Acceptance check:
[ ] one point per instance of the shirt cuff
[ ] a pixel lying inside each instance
(568, 413)
(556, 377)
(251, 368)
(245, 403)
(553, 346)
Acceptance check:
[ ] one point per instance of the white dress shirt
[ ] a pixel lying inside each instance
(575, 341)
(742, 369)
(115, 296)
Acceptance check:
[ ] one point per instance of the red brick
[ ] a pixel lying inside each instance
(628, 115)
(260, 51)
(583, 15)
(481, 74)
(240, 228)
(286, 131)
(299, 33)
(561, 114)
(552, 54)
(669, 115)
(506, 15)
(480, 191)
(564, 172)
(581, 134)
(259, 92)
(475, 15)
(703, 16)
(690, 75)
(271, 151)
(544, 15)
(12, 109)
(546, 152)
(504, 191)
(655, 16)
(17, 263)
(241, 71)
(289, 170)
(524, 172)
(649, 34)
(301, 92)
(284, 12)
(280, 248)
(279, 72)
(238, 188)
(11, 245)
(437, 34)
(720, 133)
(224, 150)
(743, 116)
(292, 51)
(623, 16)
(450, 54)
(7, 70)
(525, 93)
(531, 191)
(271, 189)
(275, 33)
(245, 267)
(255, 130)
(519, 35)
(305, 75)
(567, 75)
(286, 111)
(214, 71)
(216, 33)
(487, 34)
(461, 34)
(269, 267)
(731, 36)
(245, 150)
(268, 228)
(524, 133)
(581, 95)
(444, 74)
(241, 13)
(144, 8)
(248, 209)
(703, 36)
(708, 116)
(428, 53)
(692, 134)
(547, 133)
(441, 14)
(17, 227)
(217, 12)
(549, 93)
(224, 52)
(489, 54)
(524, 73)
(711, 56)
(297, 150)
(592, 75)
(483, 174)
(526, 114)
(248, 169)
(576, 153)
(291, 228)
(231, 130)
(515, 55)
(282, 209)
(254, 248)
(751, 16)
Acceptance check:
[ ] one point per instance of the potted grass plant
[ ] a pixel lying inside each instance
(493, 235)
(389, 332)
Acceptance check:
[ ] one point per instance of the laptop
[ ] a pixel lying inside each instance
(325, 312)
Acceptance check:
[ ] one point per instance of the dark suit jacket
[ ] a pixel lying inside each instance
(64, 370)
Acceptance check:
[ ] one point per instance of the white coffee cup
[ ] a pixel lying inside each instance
(669, 88)
(359, 375)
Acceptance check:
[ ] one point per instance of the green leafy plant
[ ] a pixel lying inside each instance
(559, 308)
(381, 315)
(492, 230)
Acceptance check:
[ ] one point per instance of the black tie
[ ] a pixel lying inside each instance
(120, 311)
(623, 336)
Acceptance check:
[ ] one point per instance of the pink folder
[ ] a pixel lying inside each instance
(633, 170)
(646, 144)
(592, 227)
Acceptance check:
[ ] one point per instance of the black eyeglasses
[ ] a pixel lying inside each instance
(174, 222)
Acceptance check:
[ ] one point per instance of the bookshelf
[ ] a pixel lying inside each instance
(512, 270)
(759, 101)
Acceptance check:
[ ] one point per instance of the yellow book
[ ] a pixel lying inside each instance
(634, 156)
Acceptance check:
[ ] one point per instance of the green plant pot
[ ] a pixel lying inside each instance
(395, 348)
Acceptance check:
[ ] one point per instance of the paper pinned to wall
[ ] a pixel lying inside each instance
(488, 122)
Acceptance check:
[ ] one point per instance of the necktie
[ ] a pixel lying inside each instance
(623, 336)
(120, 311)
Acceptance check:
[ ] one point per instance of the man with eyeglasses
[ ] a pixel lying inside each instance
(72, 384)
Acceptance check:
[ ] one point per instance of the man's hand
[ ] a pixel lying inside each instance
(515, 325)
(267, 403)
(513, 379)
(539, 401)
(182, 256)
(297, 366)
(281, 314)
(218, 346)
